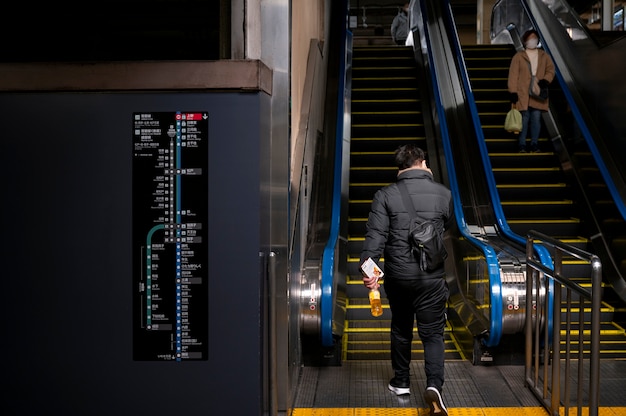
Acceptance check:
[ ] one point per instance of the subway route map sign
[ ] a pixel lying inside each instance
(169, 234)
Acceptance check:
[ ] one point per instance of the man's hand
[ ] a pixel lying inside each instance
(371, 282)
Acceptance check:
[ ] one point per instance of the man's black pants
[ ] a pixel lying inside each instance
(424, 301)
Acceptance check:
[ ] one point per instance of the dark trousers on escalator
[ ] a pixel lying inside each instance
(424, 302)
(531, 123)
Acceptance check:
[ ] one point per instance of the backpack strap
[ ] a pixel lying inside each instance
(406, 199)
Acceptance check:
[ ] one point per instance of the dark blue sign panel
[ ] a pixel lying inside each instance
(170, 189)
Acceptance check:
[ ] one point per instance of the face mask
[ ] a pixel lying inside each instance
(532, 43)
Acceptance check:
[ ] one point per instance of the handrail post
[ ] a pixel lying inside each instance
(556, 340)
(594, 370)
(529, 310)
(551, 397)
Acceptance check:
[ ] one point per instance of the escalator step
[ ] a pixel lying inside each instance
(386, 113)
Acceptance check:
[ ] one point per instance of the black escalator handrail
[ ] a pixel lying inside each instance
(577, 112)
(495, 331)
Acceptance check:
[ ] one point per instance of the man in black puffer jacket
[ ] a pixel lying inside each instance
(412, 293)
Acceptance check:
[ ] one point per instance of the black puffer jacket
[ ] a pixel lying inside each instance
(387, 231)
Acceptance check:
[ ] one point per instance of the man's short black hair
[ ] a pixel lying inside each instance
(408, 155)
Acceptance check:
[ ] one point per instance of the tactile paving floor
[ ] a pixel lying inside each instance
(359, 388)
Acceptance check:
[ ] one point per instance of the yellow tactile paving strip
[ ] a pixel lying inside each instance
(468, 411)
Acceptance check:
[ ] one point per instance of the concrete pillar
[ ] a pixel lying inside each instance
(607, 15)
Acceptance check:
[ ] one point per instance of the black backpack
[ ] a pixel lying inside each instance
(425, 239)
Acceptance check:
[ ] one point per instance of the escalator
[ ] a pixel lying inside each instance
(386, 113)
(540, 191)
(603, 205)
(499, 194)
(479, 258)
(534, 192)
(586, 132)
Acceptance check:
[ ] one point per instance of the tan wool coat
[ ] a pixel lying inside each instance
(519, 78)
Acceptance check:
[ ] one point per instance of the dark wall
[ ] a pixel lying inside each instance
(66, 293)
(111, 30)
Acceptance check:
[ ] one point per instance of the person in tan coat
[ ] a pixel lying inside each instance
(537, 62)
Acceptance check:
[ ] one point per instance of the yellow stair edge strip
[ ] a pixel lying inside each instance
(547, 169)
(533, 185)
(560, 202)
(464, 411)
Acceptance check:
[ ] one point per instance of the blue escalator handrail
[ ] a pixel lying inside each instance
(592, 145)
(503, 225)
(327, 296)
(578, 118)
(542, 252)
(493, 269)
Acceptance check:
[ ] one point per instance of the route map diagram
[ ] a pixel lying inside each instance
(170, 209)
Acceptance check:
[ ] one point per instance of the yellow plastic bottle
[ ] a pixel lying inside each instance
(375, 304)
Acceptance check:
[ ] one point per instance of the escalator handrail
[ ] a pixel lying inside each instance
(541, 252)
(593, 148)
(327, 295)
(578, 118)
(495, 331)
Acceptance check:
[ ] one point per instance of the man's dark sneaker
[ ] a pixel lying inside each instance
(399, 387)
(535, 149)
(434, 401)
(522, 149)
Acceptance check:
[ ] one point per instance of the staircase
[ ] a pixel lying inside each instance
(534, 191)
(386, 113)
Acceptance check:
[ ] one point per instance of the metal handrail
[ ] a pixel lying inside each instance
(547, 387)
